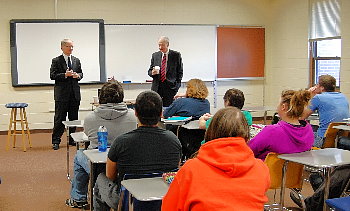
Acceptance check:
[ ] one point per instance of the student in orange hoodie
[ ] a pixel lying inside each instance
(224, 175)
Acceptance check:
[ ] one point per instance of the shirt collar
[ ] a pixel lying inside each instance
(66, 57)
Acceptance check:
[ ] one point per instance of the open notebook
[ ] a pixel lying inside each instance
(177, 119)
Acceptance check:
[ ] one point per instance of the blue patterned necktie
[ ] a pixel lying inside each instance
(69, 63)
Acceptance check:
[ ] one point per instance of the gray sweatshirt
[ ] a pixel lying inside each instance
(117, 118)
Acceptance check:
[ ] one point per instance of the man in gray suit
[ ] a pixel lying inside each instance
(166, 70)
(66, 71)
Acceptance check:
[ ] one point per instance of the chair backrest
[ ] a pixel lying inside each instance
(294, 172)
(331, 134)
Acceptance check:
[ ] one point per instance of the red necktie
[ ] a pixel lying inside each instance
(163, 69)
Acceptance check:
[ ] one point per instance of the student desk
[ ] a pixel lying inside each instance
(265, 109)
(95, 158)
(69, 124)
(323, 158)
(146, 189)
(342, 127)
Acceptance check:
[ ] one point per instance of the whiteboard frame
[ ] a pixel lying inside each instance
(14, 50)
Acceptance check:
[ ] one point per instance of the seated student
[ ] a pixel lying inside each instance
(338, 180)
(143, 150)
(224, 175)
(289, 135)
(332, 106)
(193, 104)
(233, 97)
(117, 118)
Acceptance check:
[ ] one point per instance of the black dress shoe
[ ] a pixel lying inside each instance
(72, 143)
(296, 199)
(316, 180)
(55, 146)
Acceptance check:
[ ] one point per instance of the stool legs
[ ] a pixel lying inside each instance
(9, 133)
(22, 126)
(27, 128)
(24, 122)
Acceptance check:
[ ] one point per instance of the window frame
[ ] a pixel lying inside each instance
(314, 58)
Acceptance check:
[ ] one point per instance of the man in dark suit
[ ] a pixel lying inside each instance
(66, 71)
(166, 70)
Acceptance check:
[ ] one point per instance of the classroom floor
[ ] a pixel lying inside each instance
(36, 180)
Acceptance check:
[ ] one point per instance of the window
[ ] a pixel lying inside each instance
(326, 56)
(324, 38)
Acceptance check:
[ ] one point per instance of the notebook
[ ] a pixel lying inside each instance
(178, 119)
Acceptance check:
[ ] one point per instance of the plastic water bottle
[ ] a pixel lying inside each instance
(102, 135)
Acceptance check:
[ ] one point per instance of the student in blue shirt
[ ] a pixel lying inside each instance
(332, 106)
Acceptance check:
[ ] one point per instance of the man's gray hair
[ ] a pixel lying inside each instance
(164, 38)
(64, 41)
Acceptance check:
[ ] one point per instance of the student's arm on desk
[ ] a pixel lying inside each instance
(172, 109)
(111, 170)
(307, 112)
(203, 120)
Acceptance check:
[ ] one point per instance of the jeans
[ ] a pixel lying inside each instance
(318, 141)
(81, 177)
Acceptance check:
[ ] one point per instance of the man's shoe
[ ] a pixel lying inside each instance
(55, 146)
(296, 199)
(76, 204)
(316, 180)
(72, 143)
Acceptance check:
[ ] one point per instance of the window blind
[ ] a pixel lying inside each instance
(325, 19)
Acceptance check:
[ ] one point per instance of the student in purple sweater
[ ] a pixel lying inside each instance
(290, 135)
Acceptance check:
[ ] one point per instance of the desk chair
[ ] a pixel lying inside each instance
(128, 202)
(331, 134)
(13, 122)
(293, 179)
(190, 140)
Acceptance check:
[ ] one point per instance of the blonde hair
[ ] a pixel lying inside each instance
(196, 88)
(296, 101)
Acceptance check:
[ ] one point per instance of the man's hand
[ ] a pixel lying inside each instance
(155, 70)
(314, 90)
(203, 119)
(68, 73)
(179, 95)
(75, 75)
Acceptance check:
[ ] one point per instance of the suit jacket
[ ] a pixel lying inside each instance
(63, 85)
(174, 70)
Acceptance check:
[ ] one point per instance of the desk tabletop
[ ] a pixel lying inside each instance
(192, 125)
(259, 108)
(74, 123)
(146, 189)
(79, 137)
(95, 156)
(342, 127)
(321, 158)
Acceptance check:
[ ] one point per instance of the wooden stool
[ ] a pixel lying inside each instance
(14, 120)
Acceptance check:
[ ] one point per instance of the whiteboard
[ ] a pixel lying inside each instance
(35, 43)
(129, 50)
